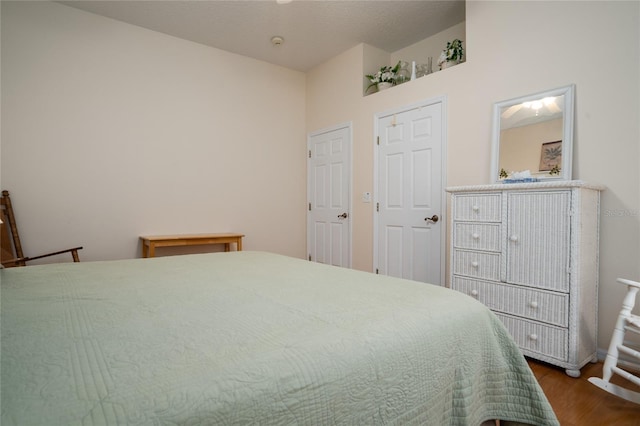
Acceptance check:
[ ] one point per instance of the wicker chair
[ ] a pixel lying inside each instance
(627, 322)
(11, 253)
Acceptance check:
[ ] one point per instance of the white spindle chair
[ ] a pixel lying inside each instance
(627, 322)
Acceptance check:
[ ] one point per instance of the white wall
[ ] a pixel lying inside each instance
(514, 49)
(111, 131)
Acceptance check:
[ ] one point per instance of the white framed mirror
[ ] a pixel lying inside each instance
(533, 137)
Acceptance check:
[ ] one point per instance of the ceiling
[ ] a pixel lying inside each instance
(313, 30)
(532, 112)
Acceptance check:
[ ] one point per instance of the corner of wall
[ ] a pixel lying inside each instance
(372, 60)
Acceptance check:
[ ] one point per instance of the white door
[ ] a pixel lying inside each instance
(328, 188)
(409, 194)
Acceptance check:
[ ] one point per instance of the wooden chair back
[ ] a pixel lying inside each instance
(11, 253)
(10, 247)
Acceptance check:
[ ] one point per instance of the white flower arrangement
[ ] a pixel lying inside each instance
(453, 53)
(386, 74)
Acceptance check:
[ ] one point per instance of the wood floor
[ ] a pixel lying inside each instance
(577, 402)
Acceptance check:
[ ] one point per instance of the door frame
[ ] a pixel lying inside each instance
(444, 216)
(349, 126)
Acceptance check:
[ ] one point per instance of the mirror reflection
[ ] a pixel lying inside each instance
(533, 136)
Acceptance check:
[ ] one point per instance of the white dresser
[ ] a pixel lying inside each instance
(530, 253)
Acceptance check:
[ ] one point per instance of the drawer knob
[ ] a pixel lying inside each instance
(475, 236)
(474, 264)
(533, 337)
(474, 292)
(533, 304)
(514, 238)
(475, 208)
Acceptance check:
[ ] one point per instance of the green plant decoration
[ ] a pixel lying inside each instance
(453, 52)
(386, 74)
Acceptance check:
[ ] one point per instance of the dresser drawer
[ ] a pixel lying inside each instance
(536, 337)
(545, 306)
(479, 208)
(477, 236)
(477, 264)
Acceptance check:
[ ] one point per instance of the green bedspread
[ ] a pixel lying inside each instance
(251, 338)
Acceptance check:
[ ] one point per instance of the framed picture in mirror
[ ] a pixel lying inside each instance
(550, 156)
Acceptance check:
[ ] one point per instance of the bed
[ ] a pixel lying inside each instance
(251, 338)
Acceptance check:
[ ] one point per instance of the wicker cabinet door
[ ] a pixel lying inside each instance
(538, 237)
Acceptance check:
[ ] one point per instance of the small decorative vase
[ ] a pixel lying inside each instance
(403, 74)
(384, 85)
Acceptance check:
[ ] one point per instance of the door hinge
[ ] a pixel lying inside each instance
(377, 207)
(309, 258)
(309, 206)
(378, 140)
(377, 272)
(309, 153)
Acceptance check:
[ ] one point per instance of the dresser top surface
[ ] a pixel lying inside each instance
(555, 184)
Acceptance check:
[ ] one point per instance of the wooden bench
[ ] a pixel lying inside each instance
(150, 242)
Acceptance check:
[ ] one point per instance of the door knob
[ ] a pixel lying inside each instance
(433, 218)
(343, 215)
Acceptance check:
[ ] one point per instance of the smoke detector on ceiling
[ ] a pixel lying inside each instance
(277, 40)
